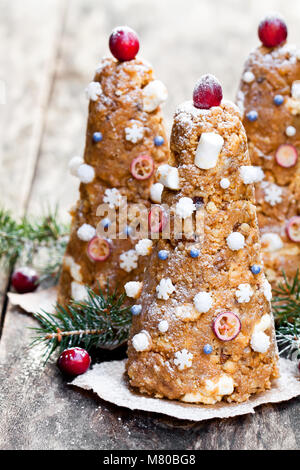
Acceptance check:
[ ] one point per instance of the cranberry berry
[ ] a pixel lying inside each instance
(124, 43)
(24, 280)
(74, 361)
(272, 31)
(207, 92)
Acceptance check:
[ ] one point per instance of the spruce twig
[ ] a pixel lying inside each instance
(101, 321)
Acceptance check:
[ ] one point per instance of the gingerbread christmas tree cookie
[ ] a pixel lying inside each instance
(269, 98)
(125, 142)
(202, 326)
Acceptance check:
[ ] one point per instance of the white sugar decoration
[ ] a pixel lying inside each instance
(164, 289)
(141, 341)
(251, 174)
(156, 190)
(235, 241)
(168, 176)
(203, 302)
(185, 207)
(243, 293)
(224, 183)
(248, 77)
(78, 292)
(86, 232)
(75, 268)
(295, 91)
(86, 173)
(264, 323)
(154, 94)
(273, 194)
(271, 242)
(112, 197)
(163, 326)
(290, 131)
(134, 133)
(133, 289)
(93, 91)
(74, 164)
(144, 247)
(183, 359)
(208, 150)
(128, 260)
(267, 290)
(260, 342)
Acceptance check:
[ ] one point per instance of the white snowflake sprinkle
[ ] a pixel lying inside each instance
(183, 359)
(112, 197)
(251, 174)
(93, 91)
(243, 293)
(128, 260)
(134, 133)
(273, 194)
(164, 289)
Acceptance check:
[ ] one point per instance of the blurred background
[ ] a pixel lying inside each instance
(49, 51)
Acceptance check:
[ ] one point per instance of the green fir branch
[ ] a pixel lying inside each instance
(23, 241)
(101, 321)
(286, 309)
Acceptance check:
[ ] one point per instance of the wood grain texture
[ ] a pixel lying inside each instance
(49, 58)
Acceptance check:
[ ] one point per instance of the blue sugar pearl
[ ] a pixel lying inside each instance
(278, 100)
(252, 116)
(105, 223)
(136, 309)
(207, 349)
(97, 137)
(194, 253)
(255, 269)
(159, 140)
(163, 254)
(127, 230)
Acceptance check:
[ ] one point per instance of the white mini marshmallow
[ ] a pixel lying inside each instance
(296, 89)
(154, 94)
(203, 302)
(133, 289)
(290, 131)
(74, 164)
(267, 290)
(185, 207)
(224, 183)
(141, 341)
(168, 176)
(86, 232)
(248, 77)
(163, 326)
(156, 190)
(235, 241)
(264, 323)
(78, 292)
(74, 268)
(208, 150)
(144, 247)
(224, 385)
(271, 242)
(260, 342)
(251, 174)
(86, 173)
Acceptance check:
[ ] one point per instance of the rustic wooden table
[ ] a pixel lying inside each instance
(49, 52)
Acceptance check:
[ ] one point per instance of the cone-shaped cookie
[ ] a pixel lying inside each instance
(269, 97)
(205, 331)
(125, 141)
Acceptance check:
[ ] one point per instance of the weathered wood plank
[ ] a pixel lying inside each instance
(27, 64)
